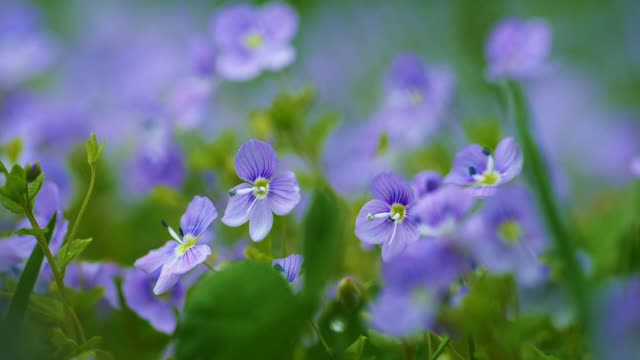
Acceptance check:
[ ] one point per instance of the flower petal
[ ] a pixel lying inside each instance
(168, 277)
(234, 65)
(373, 231)
(290, 266)
(261, 221)
(426, 182)
(231, 23)
(199, 215)
(136, 289)
(405, 233)
(279, 22)
(157, 258)
(508, 159)
(239, 207)
(469, 156)
(256, 159)
(277, 58)
(392, 189)
(193, 257)
(284, 193)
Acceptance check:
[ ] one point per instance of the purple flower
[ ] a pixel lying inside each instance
(617, 318)
(403, 314)
(250, 40)
(85, 275)
(507, 236)
(387, 220)
(635, 167)
(481, 172)
(415, 98)
(263, 193)
(517, 48)
(289, 266)
(159, 311)
(178, 257)
(439, 213)
(425, 183)
(156, 164)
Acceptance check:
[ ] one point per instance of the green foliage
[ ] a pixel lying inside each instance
(21, 188)
(3, 169)
(30, 232)
(70, 250)
(323, 234)
(485, 132)
(253, 253)
(318, 132)
(94, 149)
(355, 350)
(246, 311)
(67, 348)
(12, 150)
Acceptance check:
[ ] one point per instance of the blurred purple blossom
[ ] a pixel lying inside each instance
(635, 167)
(439, 214)
(517, 48)
(263, 192)
(86, 275)
(137, 290)
(480, 171)
(250, 40)
(178, 257)
(425, 183)
(388, 220)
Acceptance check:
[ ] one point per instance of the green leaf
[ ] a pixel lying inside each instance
(246, 311)
(384, 342)
(63, 344)
(355, 350)
(35, 186)
(10, 204)
(84, 301)
(16, 184)
(324, 229)
(253, 253)
(94, 149)
(3, 169)
(531, 352)
(12, 150)
(30, 232)
(70, 250)
(23, 291)
(318, 133)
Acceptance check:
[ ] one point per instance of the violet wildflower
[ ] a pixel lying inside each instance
(263, 193)
(250, 40)
(481, 171)
(387, 219)
(439, 214)
(157, 166)
(159, 311)
(289, 266)
(86, 275)
(635, 167)
(517, 48)
(426, 182)
(415, 95)
(178, 257)
(507, 236)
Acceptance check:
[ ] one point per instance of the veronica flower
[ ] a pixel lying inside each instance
(635, 167)
(481, 171)
(263, 193)
(159, 311)
(289, 266)
(439, 214)
(153, 166)
(178, 257)
(387, 220)
(506, 236)
(426, 182)
(415, 96)
(86, 275)
(251, 40)
(517, 48)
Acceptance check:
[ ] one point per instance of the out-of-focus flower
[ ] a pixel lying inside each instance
(250, 40)
(635, 167)
(507, 236)
(388, 220)
(439, 214)
(415, 284)
(289, 266)
(26, 50)
(263, 193)
(415, 99)
(481, 172)
(518, 48)
(617, 318)
(426, 182)
(86, 275)
(159, 311)
(178, 257)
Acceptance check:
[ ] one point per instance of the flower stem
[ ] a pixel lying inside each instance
(322, 340)
(428, 348)
(539, 176)
(83, 208)
(441, 348)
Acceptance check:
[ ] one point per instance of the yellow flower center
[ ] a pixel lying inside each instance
(253, 41)
(187, 244)
(398, 212)
(261, 188)
(510, 231)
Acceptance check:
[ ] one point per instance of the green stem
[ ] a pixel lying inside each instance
(83, 208)
(539, 175)
(441, 348)
(472, 348)
(322, 340)
(428, 348)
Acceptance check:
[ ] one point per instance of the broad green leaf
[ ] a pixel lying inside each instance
(246, 311)
(324, 230)
(70, 250)
(10, 204)
(355, 350)
(94, 149)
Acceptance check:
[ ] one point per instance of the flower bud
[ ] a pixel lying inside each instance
(349, 293)
(33, 171)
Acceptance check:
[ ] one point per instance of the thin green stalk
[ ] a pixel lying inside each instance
(428, 347)
(83, 208)
(539, 175)
(443, 345)
(472, 348)
(322, 340)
